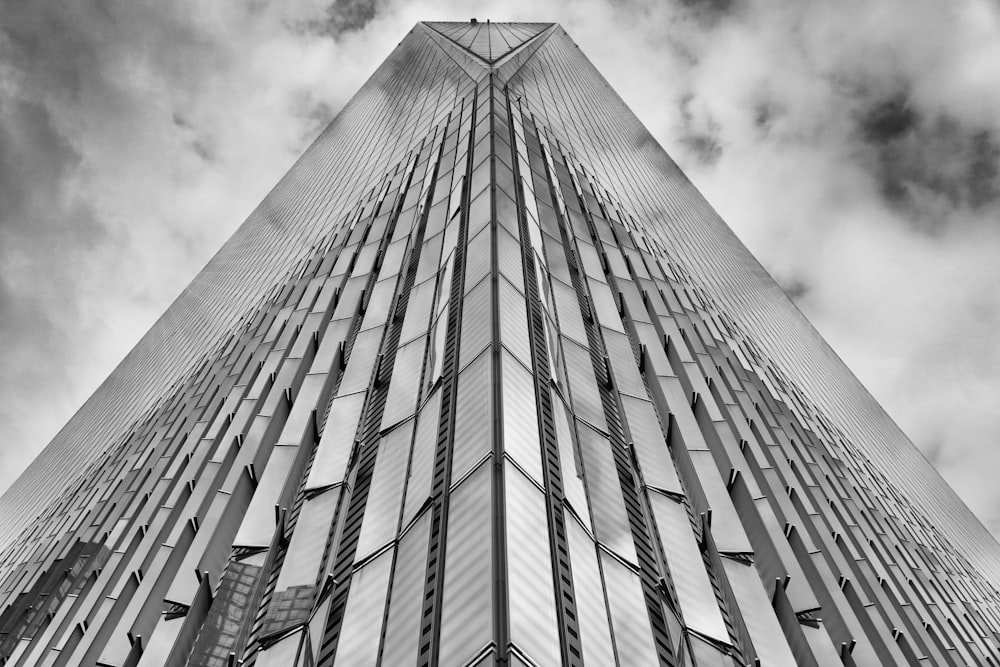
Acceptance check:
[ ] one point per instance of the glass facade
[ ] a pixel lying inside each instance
(484, 380)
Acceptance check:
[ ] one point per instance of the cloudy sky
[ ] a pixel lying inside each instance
(854, 147)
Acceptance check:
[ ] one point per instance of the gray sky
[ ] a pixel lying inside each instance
(854, 147)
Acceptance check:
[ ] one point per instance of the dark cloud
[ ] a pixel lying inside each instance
(888, 119)
(36, 214)
(700, 134)
(710, 11)
(928, 166)
(764, 116)
(46, 232)
(706, 148)
(796, 289)
(344, 16)
(314, 114)
(133, 139)
(983, 172)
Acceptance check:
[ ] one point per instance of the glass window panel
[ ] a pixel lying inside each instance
(727, 529)
(650, 445)
(572, 471)
(467, 604)
(587, 258)
(444, 283)
(435, 351)
(520, 418)
(284, 653)
(687, 569)
(418, 486)
(456, 195)
(610, 518)
(821, 645)
(450, 238)
(430, 257)
(377, 311)
(623, 363)
(706, 655)
(305, 550)
(436, 217)
(555, 255)
(529, 198)
(583, 385)
(595, 632)
(529, 570)
(755, 607)
(605, 306)
(514, 322)
(616, 263)
(629, 618)
(359, 636)
(557, 365)
(401, 400)
(417, 318)
(504, 176)
(477, 258)
(402, 628)
(477, 321)
(258, 524)
(385, 495)
(480, 177)
(358, 374)
(507, 213)
(473, 416)
(229, 614)
(317, 624)
(479, 212)
(334, 448)
(509, 258)
(157, 649)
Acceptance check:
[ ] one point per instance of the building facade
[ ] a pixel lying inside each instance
(485, 380)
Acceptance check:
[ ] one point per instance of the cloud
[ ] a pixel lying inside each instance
(348, 15)
(133, 140)
(860, 163)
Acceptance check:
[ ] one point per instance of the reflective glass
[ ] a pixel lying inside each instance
(385, 495)
(520, 423)
(402, 630)
(473, 416)
(529, 570)
(629, 618)
(687, 571)
(467, 607)
(359, 637)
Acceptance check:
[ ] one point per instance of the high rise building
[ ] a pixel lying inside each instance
(485, 380)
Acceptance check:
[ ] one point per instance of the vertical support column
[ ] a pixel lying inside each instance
(430, 626)
(565, 598)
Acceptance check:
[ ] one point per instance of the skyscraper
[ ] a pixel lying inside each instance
(485, 379)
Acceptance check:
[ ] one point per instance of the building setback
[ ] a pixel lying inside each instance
(485, 380)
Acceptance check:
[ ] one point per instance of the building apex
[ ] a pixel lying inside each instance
(489, 42)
